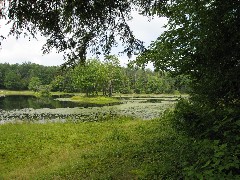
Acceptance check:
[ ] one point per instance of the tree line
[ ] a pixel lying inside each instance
(20, 76)
(106, 77)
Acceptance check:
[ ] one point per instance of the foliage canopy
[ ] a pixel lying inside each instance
(202, 41)
(73, 26)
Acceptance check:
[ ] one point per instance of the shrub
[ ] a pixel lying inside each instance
(212, 160)
(34, 84)
(45, 91)
(216, 151)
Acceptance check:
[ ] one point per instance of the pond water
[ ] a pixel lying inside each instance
(21, 102)
(31, 109)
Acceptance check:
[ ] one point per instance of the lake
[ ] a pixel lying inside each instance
(38, 110)
(21, 102)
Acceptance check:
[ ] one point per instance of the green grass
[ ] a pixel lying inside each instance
(9, 92)
(134, 95)
(95, 100)
(27, 93)
(83, 98)
(121, 148)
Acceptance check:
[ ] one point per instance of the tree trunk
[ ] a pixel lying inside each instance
(110, 89)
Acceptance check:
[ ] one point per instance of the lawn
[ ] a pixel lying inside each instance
(120, 148)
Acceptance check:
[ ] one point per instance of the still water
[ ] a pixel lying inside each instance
(21, 102)
(43, 110)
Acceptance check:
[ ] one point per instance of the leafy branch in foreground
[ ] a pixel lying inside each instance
(74, 26)
(202, 42)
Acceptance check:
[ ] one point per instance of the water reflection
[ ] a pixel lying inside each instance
(21, 102)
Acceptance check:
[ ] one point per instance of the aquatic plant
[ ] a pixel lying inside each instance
(134, 107)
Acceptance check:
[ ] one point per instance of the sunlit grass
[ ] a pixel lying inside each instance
(134, 95)
(80, 96)
(95, 100)
(32, 93)
(121, 148)
(9, 92)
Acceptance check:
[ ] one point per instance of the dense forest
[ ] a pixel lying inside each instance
(95, 76)
(19, 76)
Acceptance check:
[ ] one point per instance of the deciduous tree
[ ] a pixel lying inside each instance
(34, 84)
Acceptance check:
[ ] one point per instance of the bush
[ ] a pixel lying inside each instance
(45, 91)
(34, 84)
(216, 151)
(212, 160)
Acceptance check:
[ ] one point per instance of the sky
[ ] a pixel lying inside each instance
(22, 50)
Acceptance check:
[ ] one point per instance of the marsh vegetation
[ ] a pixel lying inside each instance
(33, 109)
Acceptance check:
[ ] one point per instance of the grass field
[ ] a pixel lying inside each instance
(9, 92)
(121, 148)
(117, 148)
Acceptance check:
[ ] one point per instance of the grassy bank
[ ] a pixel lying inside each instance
(9, 92)
(24, 93)
(122, 148)
(28, 93)
(95, 100)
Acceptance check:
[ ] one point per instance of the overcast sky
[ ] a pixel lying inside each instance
(22, 50)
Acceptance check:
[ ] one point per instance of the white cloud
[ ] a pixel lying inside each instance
(23, 50)
(147, 29)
